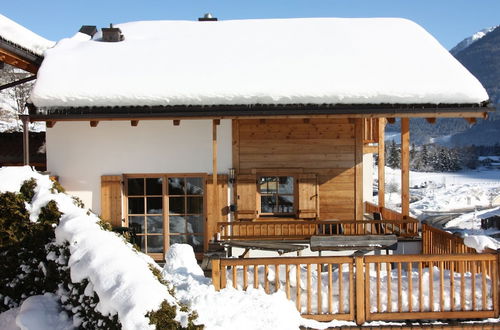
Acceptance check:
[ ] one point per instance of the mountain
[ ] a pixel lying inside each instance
(480, 54)
(469, 41)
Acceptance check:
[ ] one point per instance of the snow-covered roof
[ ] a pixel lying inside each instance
(261, 61)
(22, 37)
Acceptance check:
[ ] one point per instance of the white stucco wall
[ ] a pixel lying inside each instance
(80, 154)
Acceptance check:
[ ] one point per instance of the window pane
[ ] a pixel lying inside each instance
(194, 186)
(154, 186)
(176, 205)
(136, 224)
(268, 204)
(176, 186)
(285, 204)
(155, 243)
(155, 205)
(196, 242)
(135, 187)
(136, 205)
(139, 241)
(195, 224)
(285, 185)
(180, 239)
(268, 184)
(195, 205)
(177, 224)
(155, 224)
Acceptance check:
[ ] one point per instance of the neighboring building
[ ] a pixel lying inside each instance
(286, 111)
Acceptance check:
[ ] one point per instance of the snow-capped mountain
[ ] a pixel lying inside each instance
(470, 40)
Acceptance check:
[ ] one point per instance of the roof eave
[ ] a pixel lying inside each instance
(260, 110)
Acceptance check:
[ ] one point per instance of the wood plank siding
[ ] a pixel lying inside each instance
(323, 147)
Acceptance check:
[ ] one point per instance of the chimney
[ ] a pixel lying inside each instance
(207, 18)
(112, 34)
(89, 30)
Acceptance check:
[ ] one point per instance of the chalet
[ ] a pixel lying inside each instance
(260, 134)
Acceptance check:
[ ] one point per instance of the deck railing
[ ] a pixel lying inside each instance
(437, 241)
(303, 229)
(387, 214)
(392, 287)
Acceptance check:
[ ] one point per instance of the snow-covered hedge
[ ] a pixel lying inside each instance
(100, 279)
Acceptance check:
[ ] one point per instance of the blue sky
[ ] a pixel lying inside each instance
(449, 21)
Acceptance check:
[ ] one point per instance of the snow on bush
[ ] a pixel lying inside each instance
(96, 269)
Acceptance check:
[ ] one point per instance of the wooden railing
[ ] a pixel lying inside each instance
(406, 287)
(437, 241)
(302, 229)
(387, 214)
(330, 298)
(392, 287)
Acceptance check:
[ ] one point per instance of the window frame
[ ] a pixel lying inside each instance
(267, 215)
(165, 204)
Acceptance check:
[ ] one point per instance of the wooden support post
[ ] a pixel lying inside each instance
(26, 139)
(134, 123)
(216, 274)
(405, 167)
(358, 163)
(381, 162)
(360, 291)
(215, 123)
(94, 123)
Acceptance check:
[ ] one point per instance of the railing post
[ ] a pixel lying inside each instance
(216, 274)
(360, 291)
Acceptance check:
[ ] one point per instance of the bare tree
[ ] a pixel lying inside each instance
(17, 95)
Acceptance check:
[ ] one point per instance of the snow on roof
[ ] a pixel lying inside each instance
(262, 61)
(21, 36)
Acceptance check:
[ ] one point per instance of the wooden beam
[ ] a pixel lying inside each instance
(94, 123)
(431, 120)
(50, 123)
(177, 122)
(471, 121)
(391, 120)
(381, 162)
(370, 149)
(358, 163)
(405, 167)
(18, 62)
(134, 123)
(215, 123)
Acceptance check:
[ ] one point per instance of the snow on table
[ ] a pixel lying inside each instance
(259, 61)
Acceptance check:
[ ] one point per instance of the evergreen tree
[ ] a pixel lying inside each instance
(393, 156)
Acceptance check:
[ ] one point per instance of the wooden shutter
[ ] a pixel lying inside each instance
(216, 213)
(246, 203)
(111, 199)
(307, 188)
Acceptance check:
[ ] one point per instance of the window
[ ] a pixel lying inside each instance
(145, 212)
(186, 211)
(164, 210)
(276, 195)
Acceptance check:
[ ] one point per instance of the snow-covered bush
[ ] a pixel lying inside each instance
(50, 244)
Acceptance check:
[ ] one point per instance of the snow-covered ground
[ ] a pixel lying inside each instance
(461, 192)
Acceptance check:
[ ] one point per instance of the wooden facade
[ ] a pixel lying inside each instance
(318, 152)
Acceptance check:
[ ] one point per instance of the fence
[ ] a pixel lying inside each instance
(395, 287)
(387, 214)
(437, 241)
(301, 229)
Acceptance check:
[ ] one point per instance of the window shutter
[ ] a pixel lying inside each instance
(308, 196)
(246, 187)
(216, 213)
(111, 199)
